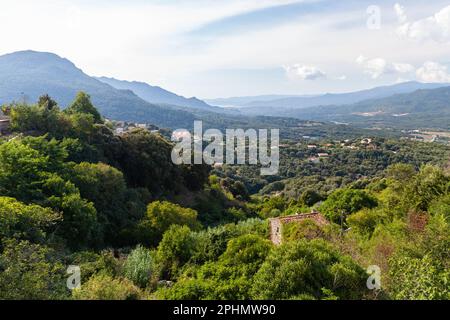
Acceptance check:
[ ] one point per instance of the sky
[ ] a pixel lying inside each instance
(224, 48)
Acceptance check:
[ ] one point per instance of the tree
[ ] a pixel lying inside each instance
(26, 222)
(45, 101)
(104, 287)
(146, 162)
(230, 277)
(346, 201)
(306, 229)
(310, 197)
(175, 250)
(22, 171)
(311, 268)
(31, 272)
(83, 104)
(418, 279)
(162, 215)
(105, 187)
(273, 207)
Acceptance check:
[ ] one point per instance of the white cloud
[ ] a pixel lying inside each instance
(433, 72)
(378, 66)
(435, 27)
(304, 72)
(401, 13)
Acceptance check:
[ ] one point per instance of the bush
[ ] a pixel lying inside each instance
(104, 287)
(31, 272)
(307, 268)
(175, 250)
(346, 201)
(306, 229)
(161, 216)
(418, 279)
(139, 266)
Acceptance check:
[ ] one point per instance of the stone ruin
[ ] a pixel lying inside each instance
(276, 224)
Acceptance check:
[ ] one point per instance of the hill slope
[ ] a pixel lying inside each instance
(271, 107)
(26, 75)
(422, 108)
(154, 94)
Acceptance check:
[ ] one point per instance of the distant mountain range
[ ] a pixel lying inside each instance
(425, 108)
(157, 95)
(268, 105)
(243, 101)
(26, 75)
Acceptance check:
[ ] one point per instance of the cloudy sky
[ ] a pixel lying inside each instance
(221, 48)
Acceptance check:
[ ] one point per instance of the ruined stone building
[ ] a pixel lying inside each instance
(276, 224)
(4, 125)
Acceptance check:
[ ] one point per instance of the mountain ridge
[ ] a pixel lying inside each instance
(26, 75)
(266, 106)
(155, 94)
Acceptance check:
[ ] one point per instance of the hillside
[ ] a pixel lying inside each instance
(155, 94)
(270, 107)
(28, 74)
(422, 108)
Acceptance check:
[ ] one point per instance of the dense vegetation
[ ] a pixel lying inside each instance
(139, 227)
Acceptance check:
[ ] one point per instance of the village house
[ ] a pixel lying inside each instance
(314, 160)
(276, 224)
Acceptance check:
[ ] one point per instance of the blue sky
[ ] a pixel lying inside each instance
(215, 48)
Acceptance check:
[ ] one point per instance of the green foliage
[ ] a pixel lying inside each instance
(228, 278)
(45, 101)
(147, 162)
(104, 287)
(273, 207)
(105, 186)
(30, 272)
(441, 206)
(306, 268)
(22, 173)
(26, 222)
(30, 173)
(82, 104)
(418, 279)
(160, 217)
(212, 243)
(69, 188)
(310, 197)
(175, 250)
(139, 266)
(306, 229)
(365, 221)
(346, 202)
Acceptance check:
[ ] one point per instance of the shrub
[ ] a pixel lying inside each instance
(139, 266)
(104, 287)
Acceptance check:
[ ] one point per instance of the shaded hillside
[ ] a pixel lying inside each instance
(155, 94)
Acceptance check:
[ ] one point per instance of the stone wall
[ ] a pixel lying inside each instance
(276, 224)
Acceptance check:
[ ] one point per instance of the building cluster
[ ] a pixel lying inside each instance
(121, 127)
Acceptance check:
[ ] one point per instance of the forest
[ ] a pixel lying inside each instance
(73, 193)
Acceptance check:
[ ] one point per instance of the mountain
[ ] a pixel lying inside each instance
(274, 107)
(157, 95)
(26, 75)
(242, 101)
(425, 108)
